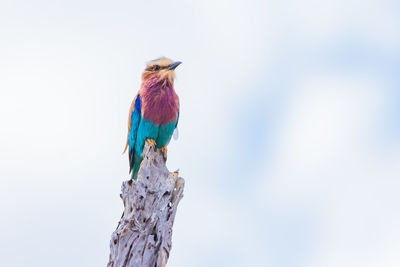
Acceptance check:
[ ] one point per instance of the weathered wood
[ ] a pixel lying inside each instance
(143, 236)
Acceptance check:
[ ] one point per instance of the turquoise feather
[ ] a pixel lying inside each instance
(140, 131)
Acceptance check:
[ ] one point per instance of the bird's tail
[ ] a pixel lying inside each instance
(134, 175)
(137, 160)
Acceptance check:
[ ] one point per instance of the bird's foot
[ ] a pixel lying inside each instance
(151, 142)
(164, 152)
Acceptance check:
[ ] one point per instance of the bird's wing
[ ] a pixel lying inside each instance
(133, 124)
(177, 119)
(176, 132)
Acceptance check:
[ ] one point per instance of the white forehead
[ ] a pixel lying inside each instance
(162, 62)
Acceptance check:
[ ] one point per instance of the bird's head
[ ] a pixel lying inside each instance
(161, 69)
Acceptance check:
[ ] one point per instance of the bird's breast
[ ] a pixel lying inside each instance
(160, 107)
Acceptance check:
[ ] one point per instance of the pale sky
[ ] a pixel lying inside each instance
(289, 129)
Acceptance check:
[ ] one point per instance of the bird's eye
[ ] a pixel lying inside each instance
(156, 67)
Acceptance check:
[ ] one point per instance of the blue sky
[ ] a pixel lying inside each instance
(289, 132)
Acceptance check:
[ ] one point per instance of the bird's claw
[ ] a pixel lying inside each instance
(164, 152)
(151, 142)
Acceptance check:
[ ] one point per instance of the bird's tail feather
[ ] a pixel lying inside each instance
(137, 160)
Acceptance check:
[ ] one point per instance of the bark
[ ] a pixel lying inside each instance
(143, 236)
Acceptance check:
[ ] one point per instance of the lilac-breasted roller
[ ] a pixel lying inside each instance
(154, 111)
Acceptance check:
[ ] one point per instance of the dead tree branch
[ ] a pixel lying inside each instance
(143, 236)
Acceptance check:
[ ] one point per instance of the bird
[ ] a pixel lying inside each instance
(154, 112)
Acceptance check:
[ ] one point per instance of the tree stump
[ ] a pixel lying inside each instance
(144, 233)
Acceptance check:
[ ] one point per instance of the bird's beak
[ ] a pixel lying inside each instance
(174, 65)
